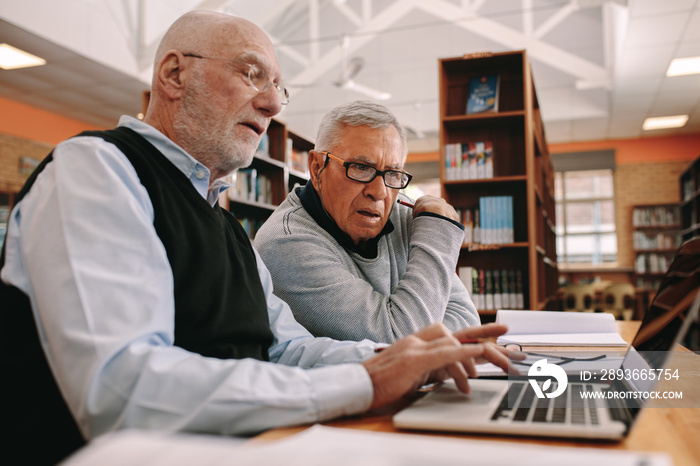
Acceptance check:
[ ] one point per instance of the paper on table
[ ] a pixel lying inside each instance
(552, 328)
(321, 446)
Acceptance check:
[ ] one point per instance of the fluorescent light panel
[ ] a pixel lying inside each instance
(12, 58)
(684, 66)
(674, 121)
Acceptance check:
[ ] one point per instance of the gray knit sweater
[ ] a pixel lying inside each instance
(337, 293)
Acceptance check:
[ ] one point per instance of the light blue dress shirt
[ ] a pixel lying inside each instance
(82, 246)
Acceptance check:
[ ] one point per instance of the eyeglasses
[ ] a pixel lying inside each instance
(363, 173)
(257, 77)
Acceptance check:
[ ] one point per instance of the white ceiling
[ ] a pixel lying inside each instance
(599, 65)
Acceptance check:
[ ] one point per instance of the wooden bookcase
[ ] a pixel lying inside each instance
(522, 169)
(690, 200)
(273, 162)
(656, 237)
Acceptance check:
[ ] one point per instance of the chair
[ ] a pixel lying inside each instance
(619, 300)
(579, 298)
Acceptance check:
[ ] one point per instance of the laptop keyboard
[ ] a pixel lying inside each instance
(569, 407)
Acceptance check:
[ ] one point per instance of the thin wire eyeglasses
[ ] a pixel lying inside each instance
(257, 77)
(363, 173)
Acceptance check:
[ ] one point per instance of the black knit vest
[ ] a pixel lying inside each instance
(220, 308)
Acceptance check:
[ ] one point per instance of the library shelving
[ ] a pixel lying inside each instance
(690, 200)
(655, 238)
(279, 164)
(514, 145)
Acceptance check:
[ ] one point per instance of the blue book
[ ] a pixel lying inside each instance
(483, 94)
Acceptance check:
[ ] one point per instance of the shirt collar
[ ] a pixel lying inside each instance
(197, 173)
(313, 205)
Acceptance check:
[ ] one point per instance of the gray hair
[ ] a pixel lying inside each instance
(357, 113)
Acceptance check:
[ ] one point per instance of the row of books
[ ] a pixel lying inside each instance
(494, 289)
(490, 223)
(296, 159)
(661, 240)
(652, 263)
(469, 160)
(250, 225)
(656, 216)
(249, 185)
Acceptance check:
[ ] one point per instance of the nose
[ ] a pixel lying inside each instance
(268, 102)
(376, 189)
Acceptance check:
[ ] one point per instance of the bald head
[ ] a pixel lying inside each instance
(209, 33)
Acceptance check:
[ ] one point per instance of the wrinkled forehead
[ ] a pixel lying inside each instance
(249, 43)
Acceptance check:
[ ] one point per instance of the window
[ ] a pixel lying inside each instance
(585, 207)
(585, 212)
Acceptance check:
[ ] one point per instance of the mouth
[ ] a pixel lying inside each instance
(256, 127)
(369, 214)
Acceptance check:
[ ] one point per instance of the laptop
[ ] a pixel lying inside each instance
(543, 402)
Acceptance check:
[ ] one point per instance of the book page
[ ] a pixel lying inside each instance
(528, 322)
(552, 328)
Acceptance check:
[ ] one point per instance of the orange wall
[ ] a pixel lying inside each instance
(645, 150)
(31, 123)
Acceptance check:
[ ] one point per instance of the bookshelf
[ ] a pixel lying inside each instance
(655, 238)
(690, 200)
(279, 164)
(521, 172)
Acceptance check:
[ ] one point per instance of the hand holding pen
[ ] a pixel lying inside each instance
(433, 204)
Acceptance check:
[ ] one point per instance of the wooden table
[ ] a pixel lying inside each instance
(676, 431)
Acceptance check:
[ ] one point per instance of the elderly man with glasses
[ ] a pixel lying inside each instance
(350, 260)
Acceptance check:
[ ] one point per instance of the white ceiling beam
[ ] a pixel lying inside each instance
(314, 30)
(273, 13)
(359, 37)
(366, 10)
(527, 17)
(555, 20)
(546, 53)
(348, 13)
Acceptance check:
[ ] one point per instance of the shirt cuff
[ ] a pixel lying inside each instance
(341, 390)
(433, 214)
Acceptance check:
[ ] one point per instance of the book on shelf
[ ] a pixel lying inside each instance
(491, 222)
(469, 160)
(250, 225)
(554, 328)
(493, 289)
(249, 185)
(483, 94)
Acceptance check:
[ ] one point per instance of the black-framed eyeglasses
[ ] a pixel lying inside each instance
(258, 78)
(395, 179)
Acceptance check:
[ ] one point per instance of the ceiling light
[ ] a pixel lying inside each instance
(12, 58)
(684, 66)
(675, 121)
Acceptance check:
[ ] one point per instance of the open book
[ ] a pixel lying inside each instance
(553, 328)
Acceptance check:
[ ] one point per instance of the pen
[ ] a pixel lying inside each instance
(407, 204)
(464, 342)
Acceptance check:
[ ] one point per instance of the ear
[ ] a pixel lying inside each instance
(171, 73)
(316, 161)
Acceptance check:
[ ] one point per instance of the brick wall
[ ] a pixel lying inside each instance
(637, 184)
(12, 149)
